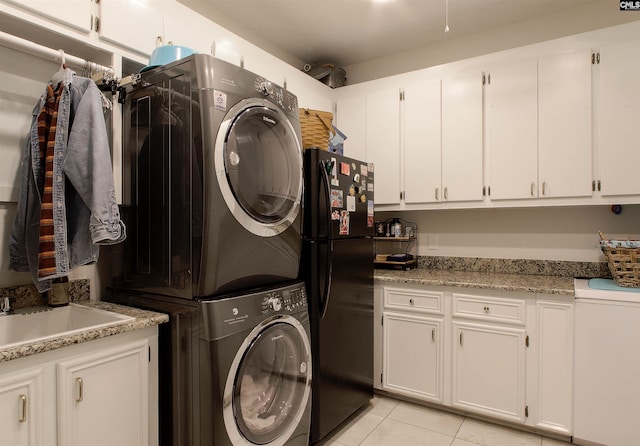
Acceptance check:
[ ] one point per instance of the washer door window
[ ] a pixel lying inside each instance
(269, 383)
(259, 167)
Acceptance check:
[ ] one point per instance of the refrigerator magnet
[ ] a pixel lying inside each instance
(363, 170)
(351, 203)
(336, 198)
(344, 222)
(335, 215)
(345, 169)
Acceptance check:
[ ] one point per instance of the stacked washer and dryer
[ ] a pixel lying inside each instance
(212, 183)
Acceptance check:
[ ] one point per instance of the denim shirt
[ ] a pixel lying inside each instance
(85, 211)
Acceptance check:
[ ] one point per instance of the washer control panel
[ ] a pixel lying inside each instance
(287, 300)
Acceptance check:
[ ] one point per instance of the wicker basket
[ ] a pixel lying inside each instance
(623, 262)
(316, 128)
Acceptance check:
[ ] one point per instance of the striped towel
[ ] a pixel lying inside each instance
(47, 120)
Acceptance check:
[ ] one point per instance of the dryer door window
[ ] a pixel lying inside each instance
(259, 167)
(271, 390)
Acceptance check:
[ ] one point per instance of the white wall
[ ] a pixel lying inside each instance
(553, 233)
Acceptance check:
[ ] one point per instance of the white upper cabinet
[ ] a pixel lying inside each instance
(133, 24)
(421, 132)
(462, 130)
(619, 146)
(75, 13)
(383, 143)
(564, 129)
(512, 130)
(183, 26)
(351, 120)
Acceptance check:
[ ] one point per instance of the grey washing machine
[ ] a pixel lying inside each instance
(258, 351)
(212, 181)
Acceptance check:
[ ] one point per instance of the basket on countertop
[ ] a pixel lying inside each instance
(623, 259)
(316, 128)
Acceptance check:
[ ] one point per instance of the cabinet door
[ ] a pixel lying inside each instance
(412, 356)
(383, 143)
(183, 26)
(103, 397)
(422, 142)
(351, 119)
(565, 149)
(21, 408)
(555, 366)
(620, 134)
(488, 370)
(133, 24)
(75, 13)
(462, 162)
(512, 130)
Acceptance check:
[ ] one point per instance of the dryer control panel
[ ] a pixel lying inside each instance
(285, 99)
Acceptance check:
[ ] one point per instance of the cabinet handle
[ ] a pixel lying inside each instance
(446, 193)
(80, 390)
(437, 193)
(486, 309)
(544, 188)
(461, 343)
(433, 335)
(23, 408)
(533, 189)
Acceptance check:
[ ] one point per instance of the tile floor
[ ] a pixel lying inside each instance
(389, 422)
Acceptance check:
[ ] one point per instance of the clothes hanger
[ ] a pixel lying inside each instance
(59, 75)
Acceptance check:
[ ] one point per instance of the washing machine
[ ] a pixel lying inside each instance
(258, 353)
(212, 181)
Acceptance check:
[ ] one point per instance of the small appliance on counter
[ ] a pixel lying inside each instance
(395, 244)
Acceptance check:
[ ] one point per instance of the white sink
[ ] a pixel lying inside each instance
(27, 328)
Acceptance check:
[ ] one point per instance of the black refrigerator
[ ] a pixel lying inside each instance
(337, 266)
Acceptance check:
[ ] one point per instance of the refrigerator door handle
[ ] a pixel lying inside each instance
(324, 175)
(324, 302)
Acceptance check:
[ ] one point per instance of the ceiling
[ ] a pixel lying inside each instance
(347, 32)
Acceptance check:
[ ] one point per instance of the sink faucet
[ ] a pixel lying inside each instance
(5, 306)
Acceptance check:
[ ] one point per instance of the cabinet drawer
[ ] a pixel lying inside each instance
(414, 300)
(507, 310)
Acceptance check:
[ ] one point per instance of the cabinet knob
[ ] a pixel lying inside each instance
(486, 309)
(411, 301)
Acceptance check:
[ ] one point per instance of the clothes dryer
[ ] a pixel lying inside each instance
(212, 181)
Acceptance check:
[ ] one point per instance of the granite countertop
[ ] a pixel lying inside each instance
(476, 279)
(143, 318)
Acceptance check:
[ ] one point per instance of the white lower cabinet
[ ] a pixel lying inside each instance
(407, 370)
(554, 364)
(101, 392)
(22, 399)
(505, 355)
(412, 343)
(111, 384)
(488, 370)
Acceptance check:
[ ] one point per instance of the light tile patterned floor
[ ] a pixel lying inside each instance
(389, 422)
